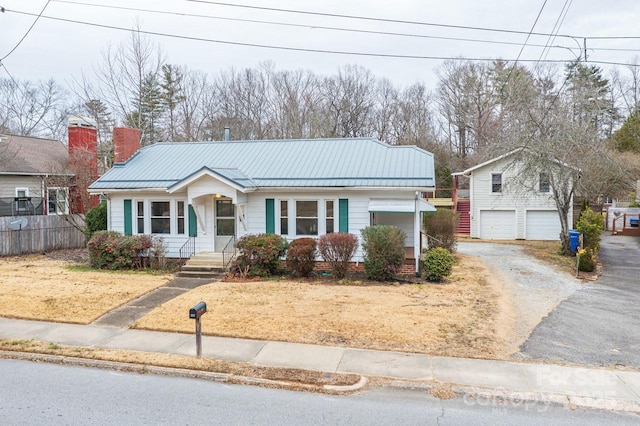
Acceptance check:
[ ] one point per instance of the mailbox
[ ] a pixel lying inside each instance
(197, 311)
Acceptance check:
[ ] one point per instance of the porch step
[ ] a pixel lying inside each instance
(203, 265)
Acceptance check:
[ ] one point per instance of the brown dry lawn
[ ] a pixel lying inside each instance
(462, 317)
(40, 288)
(470, 315)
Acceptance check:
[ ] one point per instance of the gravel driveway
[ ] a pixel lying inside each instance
(534, 288)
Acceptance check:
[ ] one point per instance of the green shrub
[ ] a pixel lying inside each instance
(441, 229)
(383, 248)
(590, 225)
(437, 264)
(586, 260)
(301, 256)
(337, 249)
(95, 220)
(259, 255)
(111, 250)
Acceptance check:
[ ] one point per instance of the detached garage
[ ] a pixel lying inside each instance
(508, 204)
(498, 224)
(542, 225)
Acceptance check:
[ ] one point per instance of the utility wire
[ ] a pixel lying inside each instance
(314, 27)
(295, 49)
(368, 18)
(27, 33)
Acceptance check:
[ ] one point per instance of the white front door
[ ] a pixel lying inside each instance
(224, 223)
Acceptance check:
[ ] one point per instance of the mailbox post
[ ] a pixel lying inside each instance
(195, 313)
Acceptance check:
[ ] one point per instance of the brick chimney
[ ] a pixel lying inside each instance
(83, 142)
(83, 162)
(125, 143)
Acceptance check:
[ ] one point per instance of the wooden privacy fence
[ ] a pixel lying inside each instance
(42, 234)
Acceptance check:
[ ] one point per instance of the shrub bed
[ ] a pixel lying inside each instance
(301, 256)
(337, 249)
(437, 264)
(383, 247)
(259, 255)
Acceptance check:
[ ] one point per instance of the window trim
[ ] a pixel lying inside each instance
(26, 195)
(493, 185)
(145, 209)
(151, 217)
(66, 200)
(333, 215)
(183, 217)
(317, 217)
(287, 217)
(547, 188)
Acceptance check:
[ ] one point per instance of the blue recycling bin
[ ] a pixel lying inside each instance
(633, 222)
(574, 240)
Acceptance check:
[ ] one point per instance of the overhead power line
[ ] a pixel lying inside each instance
(369, 18)
(289, 48)
(25, 34)
(314, 27)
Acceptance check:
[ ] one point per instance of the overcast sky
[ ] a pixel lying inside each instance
(63, 50)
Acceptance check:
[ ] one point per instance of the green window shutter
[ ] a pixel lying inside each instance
(343, 212)
(193, 222)
(128, 222)
(271, 215)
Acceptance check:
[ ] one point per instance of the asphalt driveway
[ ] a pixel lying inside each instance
(599, 324)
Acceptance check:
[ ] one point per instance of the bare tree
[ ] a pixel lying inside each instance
(32, 109)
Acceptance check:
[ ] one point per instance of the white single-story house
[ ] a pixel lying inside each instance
(507, 205)
(209, 194)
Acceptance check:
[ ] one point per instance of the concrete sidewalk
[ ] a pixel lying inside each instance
(544, 383)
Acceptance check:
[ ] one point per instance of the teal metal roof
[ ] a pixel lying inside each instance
(299, 163)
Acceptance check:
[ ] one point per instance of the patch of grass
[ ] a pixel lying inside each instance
(293, 376)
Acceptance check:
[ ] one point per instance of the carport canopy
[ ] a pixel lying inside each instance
(399, 206)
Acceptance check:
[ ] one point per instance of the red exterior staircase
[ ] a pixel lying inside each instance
(463, 208)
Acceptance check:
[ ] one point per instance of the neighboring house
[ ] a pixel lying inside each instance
(504, 205)
(33, 176)
(216, 192)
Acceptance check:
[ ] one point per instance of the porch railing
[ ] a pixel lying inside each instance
(229, 252)
(188, 249)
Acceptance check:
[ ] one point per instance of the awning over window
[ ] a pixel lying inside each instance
(399, 206)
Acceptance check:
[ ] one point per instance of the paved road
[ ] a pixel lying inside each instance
(48, 394)
(600, 324)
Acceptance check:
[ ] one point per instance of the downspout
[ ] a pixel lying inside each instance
(416, 233)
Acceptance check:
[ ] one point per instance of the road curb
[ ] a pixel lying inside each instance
(531, 401)
(181, 372)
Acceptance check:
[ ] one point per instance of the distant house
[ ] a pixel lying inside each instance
(212, 193)
(504, 205)
(33, 173)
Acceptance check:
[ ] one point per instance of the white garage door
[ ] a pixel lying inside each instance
(498, 225)
(543, 225)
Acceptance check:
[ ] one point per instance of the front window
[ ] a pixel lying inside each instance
(306, 218)
(57, 201)
(284, 217)
(160, 217)
(329, 218)
(140, 217)
(180, 209)
(545, 182)
(496, 182)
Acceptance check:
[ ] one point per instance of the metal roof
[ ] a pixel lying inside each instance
(297, 163)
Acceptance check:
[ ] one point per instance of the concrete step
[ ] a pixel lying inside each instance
(207, 268)
(198, 274)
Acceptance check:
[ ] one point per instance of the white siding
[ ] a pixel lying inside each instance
(255, 213)
(173, 241)
(515, 196)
